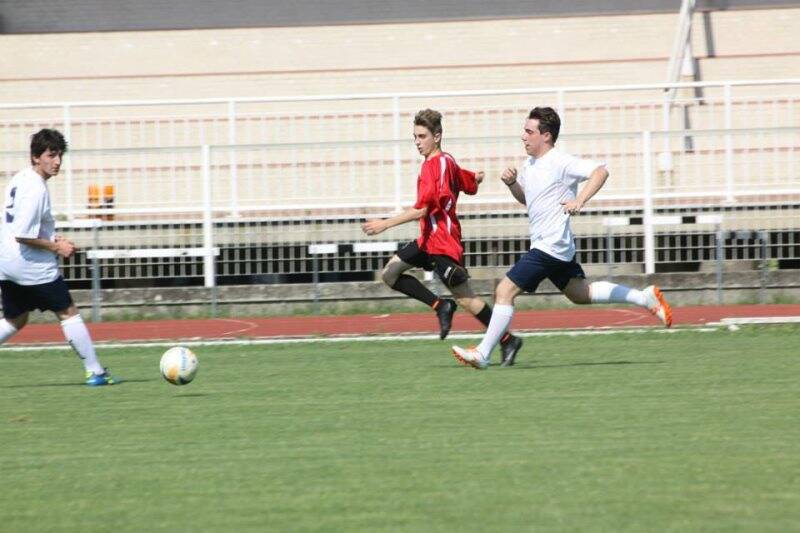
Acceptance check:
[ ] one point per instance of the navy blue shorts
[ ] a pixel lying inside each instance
(536, 265)
(20, 299)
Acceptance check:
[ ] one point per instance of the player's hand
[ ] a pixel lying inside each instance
(374, 226)
(479, 176)
(65, 248)
(572, 207)
(509, 176)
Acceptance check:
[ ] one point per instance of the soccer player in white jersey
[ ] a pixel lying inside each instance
(29, 274)
(548, 187)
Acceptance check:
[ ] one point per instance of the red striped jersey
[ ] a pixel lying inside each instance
(439, 182)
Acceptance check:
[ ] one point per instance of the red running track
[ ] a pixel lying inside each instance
(313, 326)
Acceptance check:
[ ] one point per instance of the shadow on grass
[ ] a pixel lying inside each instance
(72, 384)
(534, 366)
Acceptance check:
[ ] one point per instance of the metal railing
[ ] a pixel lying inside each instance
(269, 233)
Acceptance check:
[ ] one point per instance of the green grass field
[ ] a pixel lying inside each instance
(632, 432)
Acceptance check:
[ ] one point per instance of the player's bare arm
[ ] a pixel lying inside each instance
(596, 181)
(61, 246)
(509, 177)
(379, 225)
(479, 176)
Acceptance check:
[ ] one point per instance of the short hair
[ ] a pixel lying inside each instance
(548, 120)
(430, 119)
(47, 139)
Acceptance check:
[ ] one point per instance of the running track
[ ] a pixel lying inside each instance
(402, 323)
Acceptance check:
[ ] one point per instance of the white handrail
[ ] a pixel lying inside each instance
(428, 94)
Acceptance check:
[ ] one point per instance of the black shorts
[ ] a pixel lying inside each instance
(536, 265)
(443, 265)
(20, 299)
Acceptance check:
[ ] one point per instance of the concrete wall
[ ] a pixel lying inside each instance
(336, 298)
(391, 57)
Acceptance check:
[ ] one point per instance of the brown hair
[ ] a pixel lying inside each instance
(430, 119)
(47, 139)
(548, 120)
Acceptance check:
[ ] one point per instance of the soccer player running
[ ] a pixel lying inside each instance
(29, 275)
(439, 247)
(547, 186)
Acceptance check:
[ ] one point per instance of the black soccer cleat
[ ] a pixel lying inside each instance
(509, 350)
(445, 311)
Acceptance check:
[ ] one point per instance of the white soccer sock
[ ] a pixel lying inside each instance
(607, 292)
(498, 325)
(7, 330)
(78, 337)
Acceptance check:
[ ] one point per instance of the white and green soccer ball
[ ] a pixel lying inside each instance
(179, 365)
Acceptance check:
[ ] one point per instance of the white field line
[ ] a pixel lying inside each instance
(359, 338)
(761, 320)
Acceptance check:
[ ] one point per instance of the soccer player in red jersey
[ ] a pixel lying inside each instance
(439, 247)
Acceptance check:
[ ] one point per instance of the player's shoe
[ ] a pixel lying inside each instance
(470, 357)
(98, 380)
(658, 305)
(509, 350)
(445, 311)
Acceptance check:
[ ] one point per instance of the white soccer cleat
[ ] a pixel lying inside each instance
(658, 305)
(470, 357)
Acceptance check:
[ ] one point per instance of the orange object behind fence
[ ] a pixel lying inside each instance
(106, 201)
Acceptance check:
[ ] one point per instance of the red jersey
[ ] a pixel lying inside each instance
(439, 182)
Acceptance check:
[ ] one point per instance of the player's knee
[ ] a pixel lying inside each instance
(505, 292)
(388, 276)
(455, 275)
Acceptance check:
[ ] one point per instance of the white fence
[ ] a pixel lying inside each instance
(264, 178)
(267, 231)
(722, 167)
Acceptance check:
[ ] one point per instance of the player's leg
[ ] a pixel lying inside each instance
(55, 297)
(393, 275)
(10, 326)
(503, 312)
(524, 276)
(15, 309)
(510, 345)
(579, 291)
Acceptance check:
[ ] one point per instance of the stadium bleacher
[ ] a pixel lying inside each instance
(303, 146)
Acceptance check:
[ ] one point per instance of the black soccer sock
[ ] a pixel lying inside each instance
(485, 316)
(411, 286)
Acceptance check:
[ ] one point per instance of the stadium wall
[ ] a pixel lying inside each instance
(365, 297)
(456, 55)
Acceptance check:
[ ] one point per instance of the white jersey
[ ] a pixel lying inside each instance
(548, 181)
(27, 214)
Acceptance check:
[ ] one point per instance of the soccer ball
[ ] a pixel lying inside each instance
(179, 365)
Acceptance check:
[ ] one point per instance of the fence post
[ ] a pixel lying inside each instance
(720, 241)
(763, 236)
(97, 294)
(729, 194)
(647, 174)
(234, 180)
(208, 237)
(66, 166)
(397, 163)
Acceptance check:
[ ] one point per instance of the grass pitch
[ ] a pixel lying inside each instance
(628, 432)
